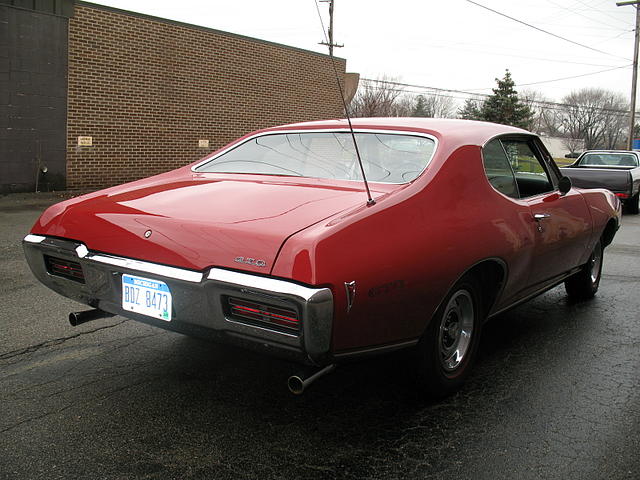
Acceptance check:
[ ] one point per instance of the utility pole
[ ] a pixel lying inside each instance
(330, 31)
(634, 81)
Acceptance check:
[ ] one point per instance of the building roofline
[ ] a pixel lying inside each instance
(197, 27)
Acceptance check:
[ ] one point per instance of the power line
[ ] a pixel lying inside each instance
(446, 92)
(575, 12)
(487, 52)
(573, 76)
(543, 31)
(602, 12)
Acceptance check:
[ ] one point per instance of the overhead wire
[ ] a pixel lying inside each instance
(544, 31)
(542, 59)
(465, 94)
(575, 12)
(568, 78)
(601, 12)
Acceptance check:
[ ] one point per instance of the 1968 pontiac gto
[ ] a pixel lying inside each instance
(271, 242)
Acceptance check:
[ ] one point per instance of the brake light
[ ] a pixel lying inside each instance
(622, 195)
(64, 268)
(263, 314)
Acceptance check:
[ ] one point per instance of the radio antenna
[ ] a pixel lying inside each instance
(370, 200)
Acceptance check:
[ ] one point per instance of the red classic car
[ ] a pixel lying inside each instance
(271, 242)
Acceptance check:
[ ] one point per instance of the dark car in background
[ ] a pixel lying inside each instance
(615, 170)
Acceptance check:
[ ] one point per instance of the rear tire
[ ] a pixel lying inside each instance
(584, 284)
(447, 349)
(633, 205)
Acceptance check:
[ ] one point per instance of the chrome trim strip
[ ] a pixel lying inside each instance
(170, 272)
(251, 326)
(34, 238)
(262, 283)
(540, 291)
(377, 350)
(323, 130)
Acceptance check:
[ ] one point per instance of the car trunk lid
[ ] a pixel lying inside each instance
(203, 221)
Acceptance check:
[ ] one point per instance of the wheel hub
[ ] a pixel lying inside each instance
(456, 329)
(596, 261)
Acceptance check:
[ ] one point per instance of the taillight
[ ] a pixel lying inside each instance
(273, 316)
(622, 195)
(64, 268)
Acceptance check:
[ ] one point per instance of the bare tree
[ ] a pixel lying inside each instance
(574, 145)
(435, 106)
(547, 117)
(596, 115)
(615, 122)
(403, 106)
(384, 97)
(376, 98)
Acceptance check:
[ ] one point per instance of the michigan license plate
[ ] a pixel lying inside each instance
(146, 296)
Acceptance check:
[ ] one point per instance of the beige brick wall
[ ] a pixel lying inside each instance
(146, 90)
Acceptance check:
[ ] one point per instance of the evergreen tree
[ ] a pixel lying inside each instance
(505, 107)
(470, 110)
(420, 108)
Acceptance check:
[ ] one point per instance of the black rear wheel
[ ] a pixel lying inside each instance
(447, 350)
(633, 205)
(584, 284)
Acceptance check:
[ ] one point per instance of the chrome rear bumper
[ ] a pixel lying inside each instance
(198, 298)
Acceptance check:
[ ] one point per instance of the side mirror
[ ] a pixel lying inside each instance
(564, 185)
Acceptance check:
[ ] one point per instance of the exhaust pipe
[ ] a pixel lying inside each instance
(299, 383)
(77, 318)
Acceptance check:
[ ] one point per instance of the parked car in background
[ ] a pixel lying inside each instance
(615, 170)
(271, 242)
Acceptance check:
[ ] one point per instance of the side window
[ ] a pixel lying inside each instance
(531, 175)
(498, 170)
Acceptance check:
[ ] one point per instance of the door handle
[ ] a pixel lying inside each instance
(540, 216)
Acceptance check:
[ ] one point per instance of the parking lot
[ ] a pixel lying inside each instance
(555, 394)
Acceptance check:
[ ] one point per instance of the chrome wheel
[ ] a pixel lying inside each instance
(585, 283)
(595, 264)
(456, 330)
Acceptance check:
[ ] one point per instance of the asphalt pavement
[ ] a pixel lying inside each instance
(555, 394)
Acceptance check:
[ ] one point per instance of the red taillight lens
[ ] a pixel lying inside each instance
(64, 268)
(622, 195)
(263, 314)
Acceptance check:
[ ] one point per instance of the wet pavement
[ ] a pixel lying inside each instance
(555, 394)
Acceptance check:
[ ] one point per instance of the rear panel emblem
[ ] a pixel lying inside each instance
(147, 234)
(250, 261)
(350, 288)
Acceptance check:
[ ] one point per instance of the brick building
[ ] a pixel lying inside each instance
(101, 96)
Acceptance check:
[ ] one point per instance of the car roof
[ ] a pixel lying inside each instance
(610, 151)
(473, 132)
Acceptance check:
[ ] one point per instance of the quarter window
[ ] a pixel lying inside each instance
(527, 169)
(498, 170)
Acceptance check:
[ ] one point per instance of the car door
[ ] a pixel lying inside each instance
(561, 223)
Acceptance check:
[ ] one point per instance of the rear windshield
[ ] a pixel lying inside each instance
(388, 158)
(609, 160)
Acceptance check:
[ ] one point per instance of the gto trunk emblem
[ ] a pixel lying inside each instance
(350, 287)
(147, 234)
(250, 261)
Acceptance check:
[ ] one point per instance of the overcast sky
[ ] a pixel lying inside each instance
(448, 44)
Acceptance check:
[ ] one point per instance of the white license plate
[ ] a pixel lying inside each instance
(146, 296)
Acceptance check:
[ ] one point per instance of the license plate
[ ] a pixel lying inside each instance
(146, 296)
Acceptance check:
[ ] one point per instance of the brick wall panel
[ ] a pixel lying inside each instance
(146, 90)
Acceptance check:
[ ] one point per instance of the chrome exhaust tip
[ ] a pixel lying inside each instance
(78, 318)
(299, 383)
(296, 385)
